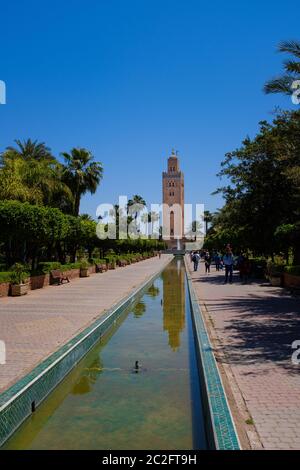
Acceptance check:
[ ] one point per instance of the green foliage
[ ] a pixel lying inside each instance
(5, 276)
(97, 261)
(69, 266)
(275, 269)
(81, 174)
(283, 83)
(84, 264)
(31, 174)
(294, 270)
(19, 274)
(48, 266)
(262, 195)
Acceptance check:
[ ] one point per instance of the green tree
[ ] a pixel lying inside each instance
(31, 174)
(283, 83)
(82, 174)
(263, 190)
(28, 150)
(136, 201)
(208, 217)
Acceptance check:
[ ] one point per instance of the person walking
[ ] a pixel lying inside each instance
(207, 260)
(228, 261)
(217, 261)
(245, 269)
(196, 259)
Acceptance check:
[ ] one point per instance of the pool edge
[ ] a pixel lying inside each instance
(220, 426)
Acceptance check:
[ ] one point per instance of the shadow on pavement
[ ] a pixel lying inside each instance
(261, 326)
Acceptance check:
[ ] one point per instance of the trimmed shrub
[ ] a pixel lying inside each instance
(5, 276)
(293, 270)
(47, 266)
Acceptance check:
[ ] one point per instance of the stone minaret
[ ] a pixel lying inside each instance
(173, 195)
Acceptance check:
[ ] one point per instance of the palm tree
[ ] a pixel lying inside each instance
(284, 83)
(81, 174)
(29, 149)
(208, 217)
(150, 219)
(136, 199)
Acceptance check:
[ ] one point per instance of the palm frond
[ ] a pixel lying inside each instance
(291, 66)
(279, 85)
(291, 47)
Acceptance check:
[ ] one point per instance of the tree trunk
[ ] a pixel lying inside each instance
(77, 204)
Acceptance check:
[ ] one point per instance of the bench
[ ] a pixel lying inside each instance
(100, 267)
(122, 263)
(58, 277)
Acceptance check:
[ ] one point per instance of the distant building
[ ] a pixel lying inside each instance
(173, 200)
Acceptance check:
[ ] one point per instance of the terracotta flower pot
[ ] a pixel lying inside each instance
(275, 281)
(19, 289)
(84, 272)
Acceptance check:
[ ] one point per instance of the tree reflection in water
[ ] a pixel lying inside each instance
(139, 309)
(174, 303)
(89, 378)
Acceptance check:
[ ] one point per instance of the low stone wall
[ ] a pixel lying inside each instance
(92, 269)
(38, 282)
(4, 289)
(72, 273)
(291, 281)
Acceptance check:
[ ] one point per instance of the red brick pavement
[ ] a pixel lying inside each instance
(256, 325)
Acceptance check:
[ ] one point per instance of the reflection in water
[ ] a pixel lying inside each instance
(89, 378)
(174, 302)
(139, 309)
(153, 291)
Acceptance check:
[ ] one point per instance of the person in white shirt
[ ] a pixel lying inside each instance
(228, 261)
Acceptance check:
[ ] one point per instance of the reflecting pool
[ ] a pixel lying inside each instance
(106, 403)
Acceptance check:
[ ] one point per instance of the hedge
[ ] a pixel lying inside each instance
(293, 270)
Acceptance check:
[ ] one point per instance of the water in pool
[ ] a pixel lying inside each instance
(105, 404)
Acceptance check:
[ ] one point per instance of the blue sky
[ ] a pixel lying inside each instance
(132, 79)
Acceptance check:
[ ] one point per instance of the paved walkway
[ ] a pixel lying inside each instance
(256, 325)
(36, 325)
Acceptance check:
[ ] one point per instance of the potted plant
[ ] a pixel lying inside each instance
(84, 269)
(112, 263)
(275, 273)
(18, 278)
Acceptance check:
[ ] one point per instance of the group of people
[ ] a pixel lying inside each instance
(226, 262)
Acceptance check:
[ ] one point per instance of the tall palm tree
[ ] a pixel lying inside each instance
(208, 217)
(28, 150)
(150, 219)
(283, 83)
(81, 174)
(136, 199)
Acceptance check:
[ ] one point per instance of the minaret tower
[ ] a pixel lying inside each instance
(173, 200)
